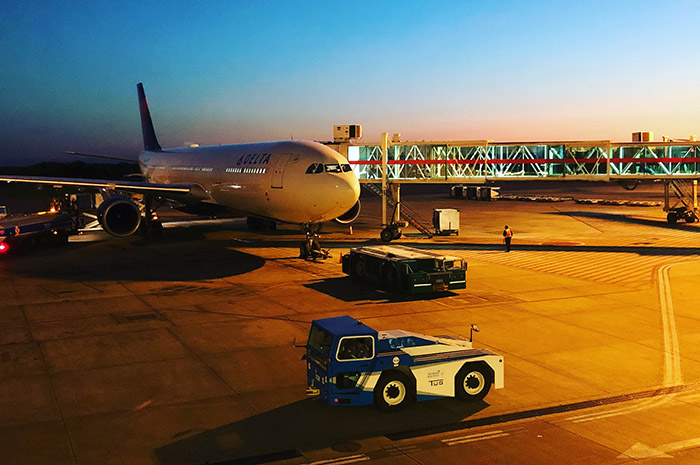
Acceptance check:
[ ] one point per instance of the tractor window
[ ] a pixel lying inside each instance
(320, 340)
(356, 348)
(347, 380)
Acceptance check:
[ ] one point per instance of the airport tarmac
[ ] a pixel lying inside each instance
(180, 350)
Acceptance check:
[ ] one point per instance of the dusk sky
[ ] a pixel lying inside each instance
(229, 72)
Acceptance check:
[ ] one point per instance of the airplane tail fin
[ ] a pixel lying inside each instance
(150, 141)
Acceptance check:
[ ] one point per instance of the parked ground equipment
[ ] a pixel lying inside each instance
(446, 221)
(349, 363)
(36, 229)
(405, 269)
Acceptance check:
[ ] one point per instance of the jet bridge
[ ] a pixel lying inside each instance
(485, 161)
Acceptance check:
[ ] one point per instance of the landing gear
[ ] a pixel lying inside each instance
(150, 224)
(393, 231)
(681, 214)
(311, 249)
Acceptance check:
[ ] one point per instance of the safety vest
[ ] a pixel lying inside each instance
(507, 233)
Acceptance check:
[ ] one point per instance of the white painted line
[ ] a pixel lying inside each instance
(672, 353)
(642, 451)
(475, 437)
(689, 397)
(341, 460)
(465, 441)
(643, 405)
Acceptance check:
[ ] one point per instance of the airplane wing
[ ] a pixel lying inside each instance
(105, 157)
(179, 191)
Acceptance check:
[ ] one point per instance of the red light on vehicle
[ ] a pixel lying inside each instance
(4, 247)
(335, 400)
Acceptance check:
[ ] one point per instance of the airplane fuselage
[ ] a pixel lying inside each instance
(290, 181)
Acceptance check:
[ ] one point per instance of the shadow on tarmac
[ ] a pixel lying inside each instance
(309, 424)
(627, 219)
(496, 247)
(639, 249)
(162, 260)
(348, 290)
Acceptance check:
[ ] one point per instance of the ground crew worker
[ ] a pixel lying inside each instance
(507, 236)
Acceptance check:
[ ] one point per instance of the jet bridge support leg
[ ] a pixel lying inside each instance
(681, 200)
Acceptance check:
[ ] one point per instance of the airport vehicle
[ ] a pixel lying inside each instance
(349, 363)
(406, 269)
(289, 181)
(446, 221)
(17, 232)
(461, 191)
(3, 211)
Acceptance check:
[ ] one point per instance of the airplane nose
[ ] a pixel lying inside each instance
(354, 185)
(350, 189)
(345, 195)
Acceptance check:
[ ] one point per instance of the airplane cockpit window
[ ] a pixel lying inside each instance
(333, 169)
(315, 168)
(346, 168)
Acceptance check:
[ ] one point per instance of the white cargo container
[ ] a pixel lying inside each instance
(446, 221)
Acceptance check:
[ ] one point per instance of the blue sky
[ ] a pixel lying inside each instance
(227, 72)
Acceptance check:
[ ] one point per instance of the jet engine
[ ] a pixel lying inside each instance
(119, 216)
(350, 215)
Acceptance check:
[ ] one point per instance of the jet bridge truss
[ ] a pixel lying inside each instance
(487, 161)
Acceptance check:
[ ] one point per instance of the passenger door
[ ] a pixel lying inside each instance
(278, 173)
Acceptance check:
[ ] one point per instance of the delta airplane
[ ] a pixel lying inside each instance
(287, 181)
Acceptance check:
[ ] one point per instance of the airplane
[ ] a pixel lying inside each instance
(292, 181)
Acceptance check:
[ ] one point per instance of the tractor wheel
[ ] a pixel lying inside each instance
(473, 382)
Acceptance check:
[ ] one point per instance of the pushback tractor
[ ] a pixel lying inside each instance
(405, 269)
(349, 363)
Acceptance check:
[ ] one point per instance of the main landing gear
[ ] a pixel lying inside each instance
(150, 224)
(311, 249)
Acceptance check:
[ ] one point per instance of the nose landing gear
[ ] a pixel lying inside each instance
(311, 249)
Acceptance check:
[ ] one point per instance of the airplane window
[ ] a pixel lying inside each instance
(346, 168)
(319, 168)
(333, 169)
(312, 168)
